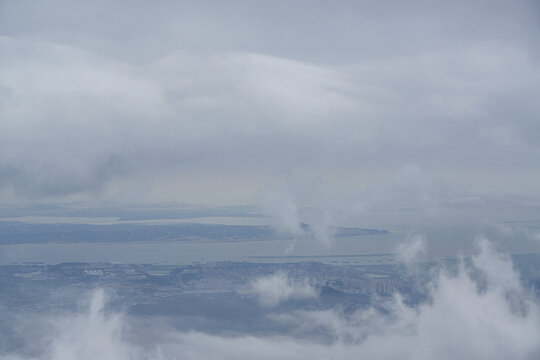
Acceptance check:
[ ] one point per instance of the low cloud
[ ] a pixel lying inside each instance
(95, 334)
(279, 287)
(479, 312)
(408, 252)
(322, 226)
(281, 207)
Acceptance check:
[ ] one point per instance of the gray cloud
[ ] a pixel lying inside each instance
(159, 92)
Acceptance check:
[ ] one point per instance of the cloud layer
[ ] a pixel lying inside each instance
(171, 95)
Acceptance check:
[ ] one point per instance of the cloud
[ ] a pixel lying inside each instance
(280, 206)
(166, 115)
(480, 311)
(322, 225)
(89, 109)
(279, 287)
(290, 219)
(197, 101)
(91, 335)
(475, 322)
(408, 252)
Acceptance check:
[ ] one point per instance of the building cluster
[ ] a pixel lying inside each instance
(347, 279)
(142, 282)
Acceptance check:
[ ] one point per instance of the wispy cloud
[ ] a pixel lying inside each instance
(273, 289)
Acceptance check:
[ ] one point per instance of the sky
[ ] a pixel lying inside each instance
(220, 103)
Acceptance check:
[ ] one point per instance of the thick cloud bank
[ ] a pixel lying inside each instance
(171, 93)
(480, 311)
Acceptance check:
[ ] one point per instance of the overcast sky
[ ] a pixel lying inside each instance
(214, 102)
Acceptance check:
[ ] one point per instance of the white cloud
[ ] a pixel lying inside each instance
(92, 335)
(274, 289)
(409, 252)
(478, 313)
(281, 207)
